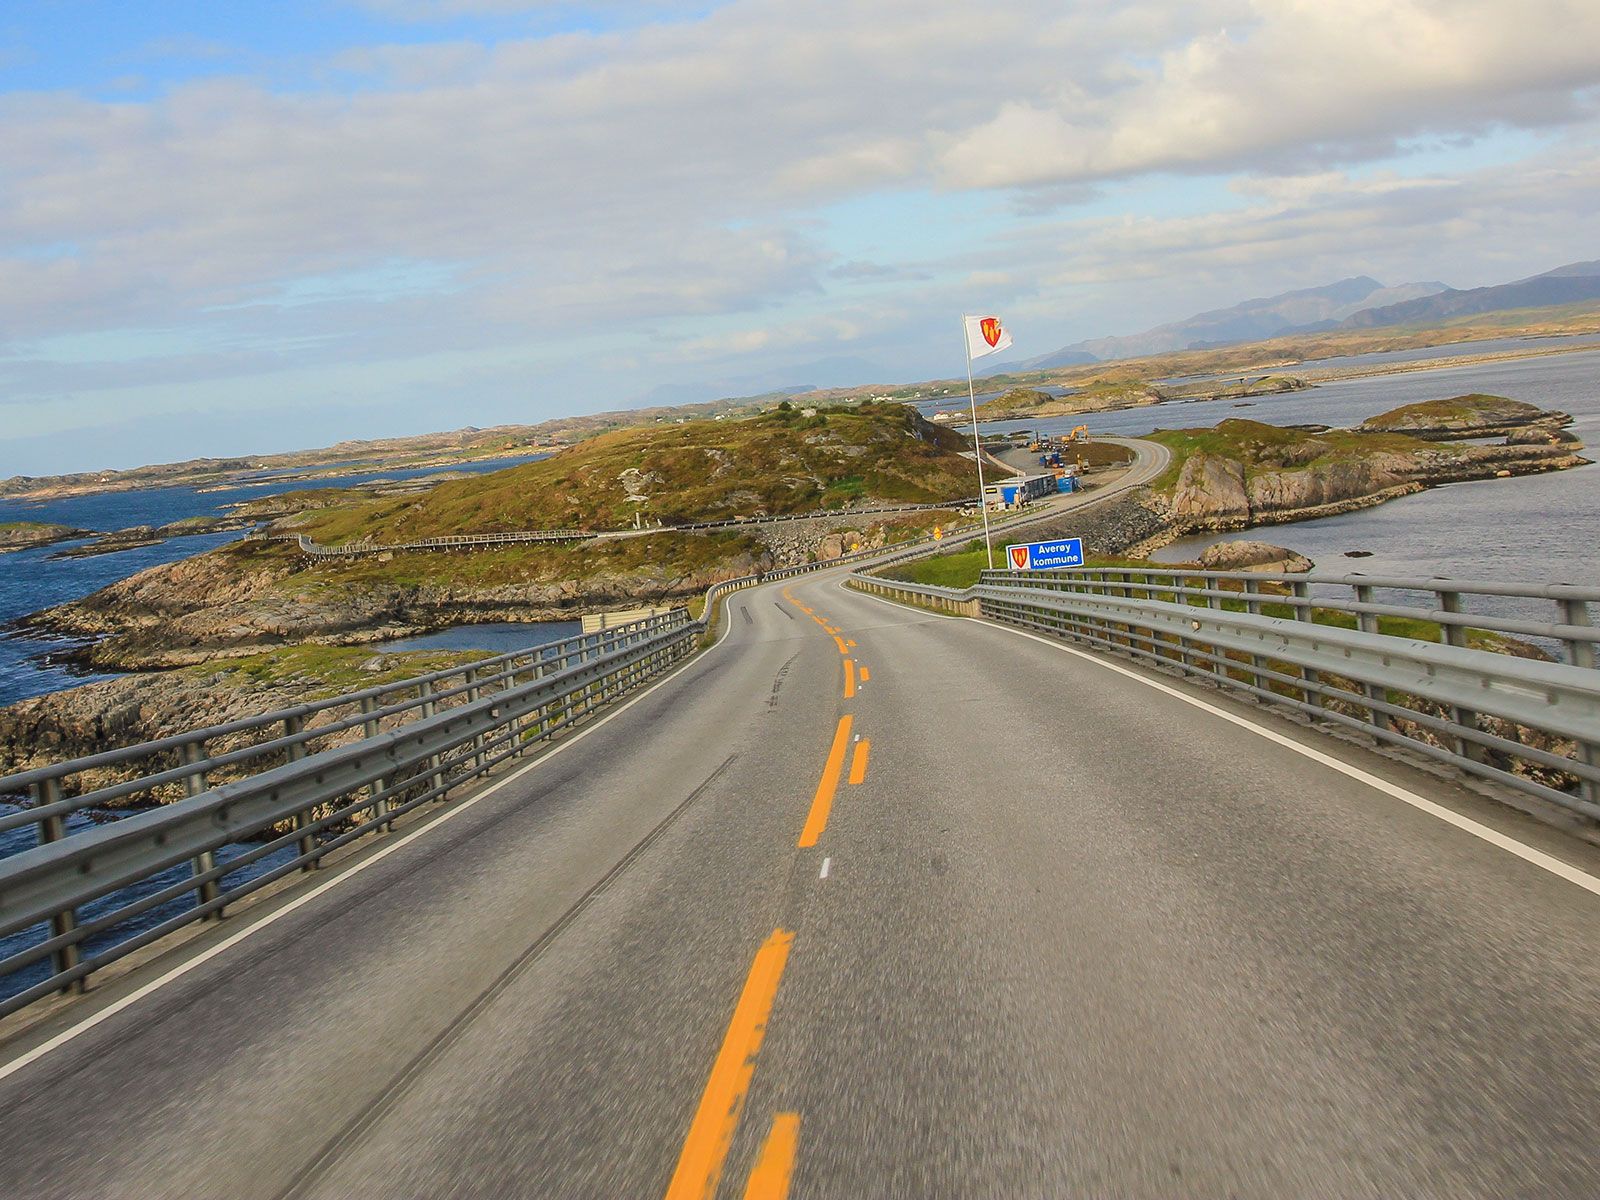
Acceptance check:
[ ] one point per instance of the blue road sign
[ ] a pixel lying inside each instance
(1043, 556)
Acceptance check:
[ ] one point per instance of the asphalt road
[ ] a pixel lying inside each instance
(1054, 933)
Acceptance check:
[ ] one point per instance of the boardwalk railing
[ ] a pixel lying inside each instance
(1414, 663)
(488, 541)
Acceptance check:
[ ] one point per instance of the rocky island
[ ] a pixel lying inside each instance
(1110, 394)
(1243, 473)
(23, 535)
(260, 594)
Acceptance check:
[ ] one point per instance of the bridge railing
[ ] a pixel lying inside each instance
(1399, 659)
(271, 795)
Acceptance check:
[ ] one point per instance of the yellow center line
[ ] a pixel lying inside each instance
(858, 761)
(839, 641)
(770, 1178)
(849, 678)
(865, 674)
(817, 820)
(705, 1149)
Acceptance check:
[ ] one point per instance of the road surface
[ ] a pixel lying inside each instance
(1043, 930)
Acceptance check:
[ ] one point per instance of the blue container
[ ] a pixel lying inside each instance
(1067, 483)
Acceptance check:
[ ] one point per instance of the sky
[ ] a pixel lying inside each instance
(232, 229)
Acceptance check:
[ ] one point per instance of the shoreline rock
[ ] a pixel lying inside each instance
(28, 535)
(1253, 556)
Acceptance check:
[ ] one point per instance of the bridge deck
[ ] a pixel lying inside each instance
(1076, 936)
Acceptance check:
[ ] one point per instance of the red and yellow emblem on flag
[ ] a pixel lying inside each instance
(986, 335)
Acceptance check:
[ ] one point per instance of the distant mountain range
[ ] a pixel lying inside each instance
(1564, 285)
(1356, 303)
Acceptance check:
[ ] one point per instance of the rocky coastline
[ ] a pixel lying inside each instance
(188, 628)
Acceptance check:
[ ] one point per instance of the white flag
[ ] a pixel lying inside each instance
(985, 335)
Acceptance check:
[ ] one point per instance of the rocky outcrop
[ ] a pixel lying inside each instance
(1253, 556)
(1299, 479)
(152, 535)
(22, 535)
(1472, 417)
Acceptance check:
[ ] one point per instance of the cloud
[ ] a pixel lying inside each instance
(616, 190)
(1299, 80)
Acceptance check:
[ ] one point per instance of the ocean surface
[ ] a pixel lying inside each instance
(1539, 528)
(1423, 354)
(31, 580)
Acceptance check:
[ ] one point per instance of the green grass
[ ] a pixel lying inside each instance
(323, 671)
(40, 527)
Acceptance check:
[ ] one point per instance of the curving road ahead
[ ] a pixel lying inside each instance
(1050, 927)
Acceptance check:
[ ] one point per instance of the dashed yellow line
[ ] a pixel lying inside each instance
(822, 802)
(865, 674)
(705, 1149)
(770, 1179)
(858, 761)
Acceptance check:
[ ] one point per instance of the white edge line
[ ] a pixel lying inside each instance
(205, 956)
(1537, 858)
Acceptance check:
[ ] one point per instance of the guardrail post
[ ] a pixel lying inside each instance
(306, 845)
(1456, 635)
(1252, 606)
(523, 742)
(52, 829)
(193, 784)
(380, 805)
(1301, 596)
(1368, 623)
(430, 708)
(1580, 653)
(474, 694)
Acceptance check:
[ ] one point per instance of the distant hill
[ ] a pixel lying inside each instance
(1247, 321)
(783, 461)
(1564, 285)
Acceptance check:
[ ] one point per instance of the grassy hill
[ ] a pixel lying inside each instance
(779, 462)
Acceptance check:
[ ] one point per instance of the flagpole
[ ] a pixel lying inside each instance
(977, 446)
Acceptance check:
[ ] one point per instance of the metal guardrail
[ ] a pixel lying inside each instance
(295, 795)
(1361, 663)
(472, 541)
